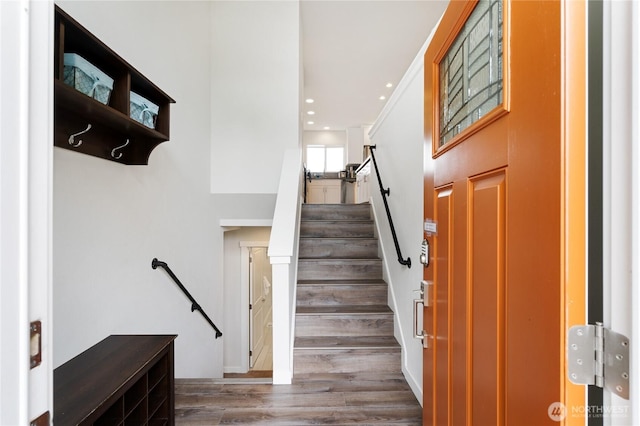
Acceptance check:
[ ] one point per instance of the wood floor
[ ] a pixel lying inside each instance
(347, 362)
(335, 399)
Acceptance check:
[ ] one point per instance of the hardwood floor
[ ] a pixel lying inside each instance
(346, 362)
(336, 399)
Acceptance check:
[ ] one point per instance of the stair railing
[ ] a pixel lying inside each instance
(194, 305)
(385, 193)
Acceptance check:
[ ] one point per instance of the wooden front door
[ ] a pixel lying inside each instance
(494, 185)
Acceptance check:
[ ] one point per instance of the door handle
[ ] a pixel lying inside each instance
(426, 302)
(422, 335)
(416, 334)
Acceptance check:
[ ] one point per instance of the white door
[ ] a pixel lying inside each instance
(26, 84)
(260, 305)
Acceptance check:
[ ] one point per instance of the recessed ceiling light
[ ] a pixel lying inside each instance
(382, 98)
(311, 122)
(309, 100)
(389, 84)
(327, 128)
(310, 112)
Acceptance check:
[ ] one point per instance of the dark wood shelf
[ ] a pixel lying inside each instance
(111, 124)
(121, 380)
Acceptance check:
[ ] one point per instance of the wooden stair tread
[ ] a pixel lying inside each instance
(343, 322)
(356, 382)
(346, 282)
(333, 221)
(346, 260)
(346, 342)
(347, 239)
(343, 310)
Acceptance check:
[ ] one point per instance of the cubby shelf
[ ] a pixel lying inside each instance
(113, 135)
(122, 380)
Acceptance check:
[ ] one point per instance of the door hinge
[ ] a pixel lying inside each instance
(36, 343)
(598, 356)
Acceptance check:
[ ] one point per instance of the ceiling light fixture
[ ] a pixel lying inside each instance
(327, 128)
(311, 122)
(389, 84)
(310, 112)
(382, 98)
(309, 100)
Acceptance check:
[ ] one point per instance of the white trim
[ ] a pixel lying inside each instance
(26, 132)
(254, 244)
(280, 260)
(618, 125)
(236, 223)
(635, 212)
(14, 285)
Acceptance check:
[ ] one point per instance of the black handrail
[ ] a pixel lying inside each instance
(194, 305)
(307, 175)
(385, 193)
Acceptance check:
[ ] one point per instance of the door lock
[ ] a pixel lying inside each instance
(424, 253)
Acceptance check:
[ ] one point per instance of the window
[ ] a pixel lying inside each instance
(322, 159)
(471, 80)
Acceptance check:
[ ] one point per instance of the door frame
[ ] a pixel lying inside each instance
(621, 193)
(26, 164)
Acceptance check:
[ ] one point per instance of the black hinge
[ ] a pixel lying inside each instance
(250, 306)
(250, 353)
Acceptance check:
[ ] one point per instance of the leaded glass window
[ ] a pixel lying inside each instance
(471, 80)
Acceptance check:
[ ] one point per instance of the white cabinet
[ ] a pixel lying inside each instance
(324, 191)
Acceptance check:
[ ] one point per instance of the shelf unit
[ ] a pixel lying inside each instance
(111, 125)
(123, 380)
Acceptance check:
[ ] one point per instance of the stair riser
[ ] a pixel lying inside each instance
(375, 361)
(336, 229)
(319, 248)
(339, 269)
(333, 295)
(344, 325)
(336, 212)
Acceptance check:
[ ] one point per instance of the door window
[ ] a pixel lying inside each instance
(471, 72)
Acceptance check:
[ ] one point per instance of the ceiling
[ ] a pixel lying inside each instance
(353, 49)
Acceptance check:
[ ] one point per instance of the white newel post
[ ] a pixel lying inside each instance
(283, 254)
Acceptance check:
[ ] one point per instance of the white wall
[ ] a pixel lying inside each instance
(357, 137)
(110, 220)
(398, 135)
(255, 93)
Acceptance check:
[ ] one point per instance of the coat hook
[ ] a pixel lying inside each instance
(113, 151)
(71, 138)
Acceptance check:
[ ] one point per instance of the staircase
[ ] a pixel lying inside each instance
(343, 321)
